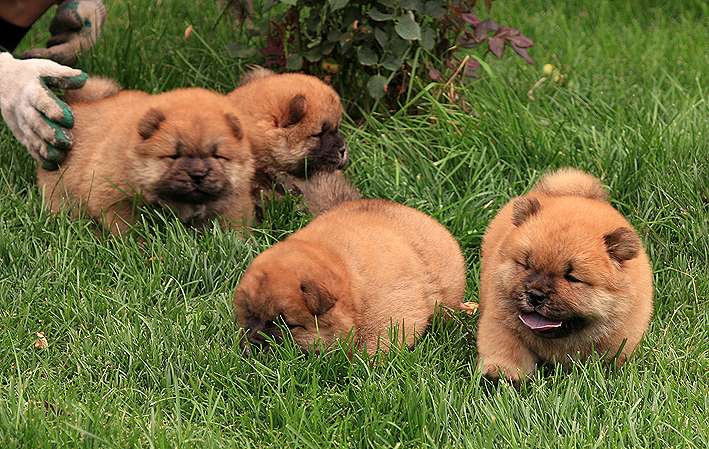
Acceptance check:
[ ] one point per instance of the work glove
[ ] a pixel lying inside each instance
(74, 29)
(34, 114)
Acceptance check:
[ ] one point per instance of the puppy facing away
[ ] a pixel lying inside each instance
(361, 267)
(184, 150)
(293, 121)
(563, 275)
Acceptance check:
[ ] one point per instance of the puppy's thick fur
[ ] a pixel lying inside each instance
(563, 274)
(294, 122)
(185, 150)
(362, 266)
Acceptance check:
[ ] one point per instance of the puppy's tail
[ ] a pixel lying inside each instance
(255, 72)
(571, 182)
(325, 190)
(95, 88)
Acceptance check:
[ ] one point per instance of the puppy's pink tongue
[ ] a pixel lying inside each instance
(538, 322)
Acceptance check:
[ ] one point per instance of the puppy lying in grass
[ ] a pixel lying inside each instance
(185, 150)
(361, 267)
(563, 275)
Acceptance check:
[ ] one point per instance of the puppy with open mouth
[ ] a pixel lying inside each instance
(294, 126)
(185, 150)
(563, 275)
(361, 267)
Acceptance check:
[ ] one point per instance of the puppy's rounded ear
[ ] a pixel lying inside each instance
(295, 111)
(150, 123)
(318, 299)
(524, 208)
(622, 244)
(235, 125)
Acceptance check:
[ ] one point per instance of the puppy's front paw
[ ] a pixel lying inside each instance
(496, 371)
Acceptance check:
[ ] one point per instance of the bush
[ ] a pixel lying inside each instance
(381, 44)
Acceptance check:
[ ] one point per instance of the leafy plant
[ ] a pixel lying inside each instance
(381, 44)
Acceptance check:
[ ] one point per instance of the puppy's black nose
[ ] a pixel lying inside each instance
(536, 297)
(198, 175)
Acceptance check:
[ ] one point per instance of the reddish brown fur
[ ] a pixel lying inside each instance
(125, 146)
(572, 223)
(285, 115)
(359, 267)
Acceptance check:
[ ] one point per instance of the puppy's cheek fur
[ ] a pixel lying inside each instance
(149, 173)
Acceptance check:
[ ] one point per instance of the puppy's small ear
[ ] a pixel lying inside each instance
(524, 208)
(150, 123)
(317, 298)
(235, 125)
(622, 244)
(296, 111)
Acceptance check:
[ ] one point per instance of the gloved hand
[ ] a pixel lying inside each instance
(74, 29)
(37, 118)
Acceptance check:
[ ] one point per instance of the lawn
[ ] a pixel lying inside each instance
(142, 345)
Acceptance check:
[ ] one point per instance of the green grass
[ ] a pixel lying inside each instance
(141, 339)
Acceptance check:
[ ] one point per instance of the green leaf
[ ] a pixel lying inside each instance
(381, 37)
(338, 4)
(428, 38)
(367, 56)
(377, 86)
(290, 2)
(294, 62)
(379, 16)
(416, 5)
(434, 9)
(392, 62)
(407, 28)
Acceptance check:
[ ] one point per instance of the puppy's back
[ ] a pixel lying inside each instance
(388, 236)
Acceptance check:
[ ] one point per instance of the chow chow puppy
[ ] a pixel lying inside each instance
(361, 267)
(294, 125)
(563, 275)
(184, 149)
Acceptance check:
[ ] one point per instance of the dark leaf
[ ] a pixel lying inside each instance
(294, 62)
(377, 86)
(488, 4)
(427, 38)
(435, 9)
(346, 37)
(381, 37)
(313, 54)
(523, 53)
(521, 41)
(334, 35)
(398, 46)
(338, 4)
(407, 28)
(471, 68)
(485, 27)
(415, 5)
(435, 75)
(367, 56)
(392, 62)
(496, 46)
(471, 19)
(379, 16)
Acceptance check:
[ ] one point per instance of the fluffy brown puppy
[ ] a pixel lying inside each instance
(184, 150)
(563, 274)
(362, 266)
(293, 121)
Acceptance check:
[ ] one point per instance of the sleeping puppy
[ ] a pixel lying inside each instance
(184, 150)
(361, 267)
(294, 126)
(563, 275)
